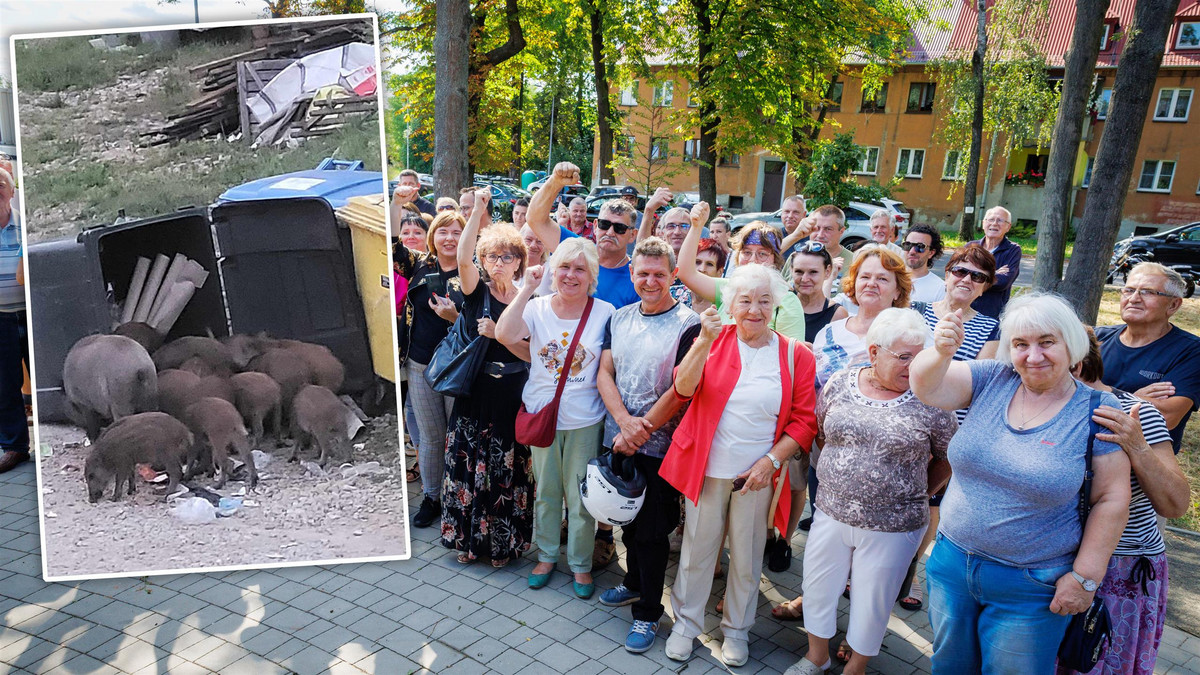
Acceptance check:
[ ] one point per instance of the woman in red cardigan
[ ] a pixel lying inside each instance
(752, 408)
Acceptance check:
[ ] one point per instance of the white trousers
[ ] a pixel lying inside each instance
(702, 527)
(880, 562)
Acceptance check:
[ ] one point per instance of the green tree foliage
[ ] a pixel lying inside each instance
(666, 128)
(831, 182)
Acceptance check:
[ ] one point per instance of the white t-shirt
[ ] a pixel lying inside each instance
(549, 338)
(929, 288)
(746, 430)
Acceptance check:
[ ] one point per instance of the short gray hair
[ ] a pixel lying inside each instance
(1175, 284)
(653, 247)
(1007, 213)
(897, 324)
(621, 209)
(750, 277)
(881, 214)
(570, 249)
(580, 201)
(1042, 313)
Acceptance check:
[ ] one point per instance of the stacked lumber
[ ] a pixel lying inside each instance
(217, 109)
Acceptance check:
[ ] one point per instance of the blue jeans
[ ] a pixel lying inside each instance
(989, 617)
(14, 429)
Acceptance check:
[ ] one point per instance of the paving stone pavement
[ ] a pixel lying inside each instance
(428, 614)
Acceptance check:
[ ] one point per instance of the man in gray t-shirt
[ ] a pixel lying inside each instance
(643, 343)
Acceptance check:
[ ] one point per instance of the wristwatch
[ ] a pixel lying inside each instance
(1088, 585)
(774, 461)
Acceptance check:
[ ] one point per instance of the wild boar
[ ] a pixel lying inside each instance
(144, 438)
(216, 355)
(105, 378)
(142, 333)
(177, 389)
(216, 385)
(286, 369)
(218, 429)
(318, 416)
(327, 370)
(257, 397)
(245, 347)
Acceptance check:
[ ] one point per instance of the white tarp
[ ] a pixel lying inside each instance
(308, 75)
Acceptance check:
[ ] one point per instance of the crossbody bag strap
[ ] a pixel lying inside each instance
(1085, 491)
(566, 371)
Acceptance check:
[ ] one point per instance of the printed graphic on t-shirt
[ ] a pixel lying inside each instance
(553, 353)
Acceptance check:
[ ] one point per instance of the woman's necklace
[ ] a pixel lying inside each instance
(1029, 418)
(874, 381)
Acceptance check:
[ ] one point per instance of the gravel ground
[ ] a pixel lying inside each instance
(299, 517)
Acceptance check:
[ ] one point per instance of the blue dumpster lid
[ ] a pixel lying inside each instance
(335, 186)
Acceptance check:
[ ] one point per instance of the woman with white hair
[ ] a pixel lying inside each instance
(550, 323)
(1016, 556)
(751, 409)
(884, 453)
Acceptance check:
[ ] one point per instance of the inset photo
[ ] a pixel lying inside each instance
(210, 297)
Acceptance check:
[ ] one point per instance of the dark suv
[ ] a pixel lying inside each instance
(1178, 248)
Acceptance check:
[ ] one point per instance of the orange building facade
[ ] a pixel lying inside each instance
(897, 130)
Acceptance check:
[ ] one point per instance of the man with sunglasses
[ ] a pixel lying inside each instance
(1149, 356)
(922, 245)
(996, 224)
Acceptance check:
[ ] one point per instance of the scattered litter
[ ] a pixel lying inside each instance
(312, 467)
(364, 469)
(68, 468)
(87, 442)
(228, 506)
(261, 458)
(360, 446)
(179, 493)
(44, 450)
(51, 514)
(249, 503)
(275, 556)
(358, 533)
(200, 491)
(195, 511)
(289, 544)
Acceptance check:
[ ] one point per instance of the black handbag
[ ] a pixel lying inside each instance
(1088, 633)
(459, 356)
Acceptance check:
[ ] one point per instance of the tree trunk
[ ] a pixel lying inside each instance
(604, 129)
(479, 66)
(987, 172)
(966, 231)
(709, 120)
(450, 49)
(1068, 130)
(514, 168)
(1135, 81)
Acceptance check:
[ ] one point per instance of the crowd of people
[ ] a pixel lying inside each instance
(747, 371)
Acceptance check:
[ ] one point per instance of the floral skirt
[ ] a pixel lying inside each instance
(487, 492)
(1135, 594)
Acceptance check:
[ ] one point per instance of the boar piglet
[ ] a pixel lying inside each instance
(145, 438)
(210, 351)
(258, 399)
(327, 370)
(142, 333)
(177, 389)
(318, 416)
(219, 431)
(106, 378)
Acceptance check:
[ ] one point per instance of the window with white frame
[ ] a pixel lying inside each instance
(1157, 175)
(664, 94)
(692, 100)
(1106, 37)
(691, 150)
(1087, 172)
(660, 150)
(869, 165)
(911, 163)
(956, 165)
(629, 94)
(1189, 35)
(1173, 105)
(1102, 103)
(624, 146)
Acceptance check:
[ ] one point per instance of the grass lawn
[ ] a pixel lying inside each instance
(1187, 318)
(1028, 244)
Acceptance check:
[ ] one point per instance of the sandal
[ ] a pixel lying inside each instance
(465, 558)
(414, 474)
(792, 610)
(844, 652)
(915, 599)
(498, 563)
(721, 605)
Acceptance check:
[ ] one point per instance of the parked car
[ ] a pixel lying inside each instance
(576, 190)
(858, 219)
(504, 196)
(1177, 248)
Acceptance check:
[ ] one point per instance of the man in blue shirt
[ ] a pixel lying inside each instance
(14, 429)
(996, 224)
(1147, 355)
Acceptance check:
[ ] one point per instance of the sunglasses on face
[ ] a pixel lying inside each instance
(619, 228)
(977, 277)
(912, 245)
(446, 207)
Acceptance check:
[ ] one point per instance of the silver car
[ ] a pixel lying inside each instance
(858, 219)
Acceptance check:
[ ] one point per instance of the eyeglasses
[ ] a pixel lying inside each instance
(619, 228)
(675, 226)
(1144, 293)
(994, 219)
(447, 207)
(811, 246)
(505, 258)
(912, 245)
(902, 358)
(977, 277)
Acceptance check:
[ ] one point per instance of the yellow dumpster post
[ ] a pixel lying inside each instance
(367, 219)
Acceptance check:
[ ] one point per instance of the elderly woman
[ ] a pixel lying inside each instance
(431, 307)
(884, 453)
(550, 323)
(1012, 562)
(487, 494)
(1135, 587)
(757, 243)
(968, 274)
(751, 409)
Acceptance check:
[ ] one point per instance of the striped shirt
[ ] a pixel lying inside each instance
(12, 294)
(1141, 535)
(980, 330)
